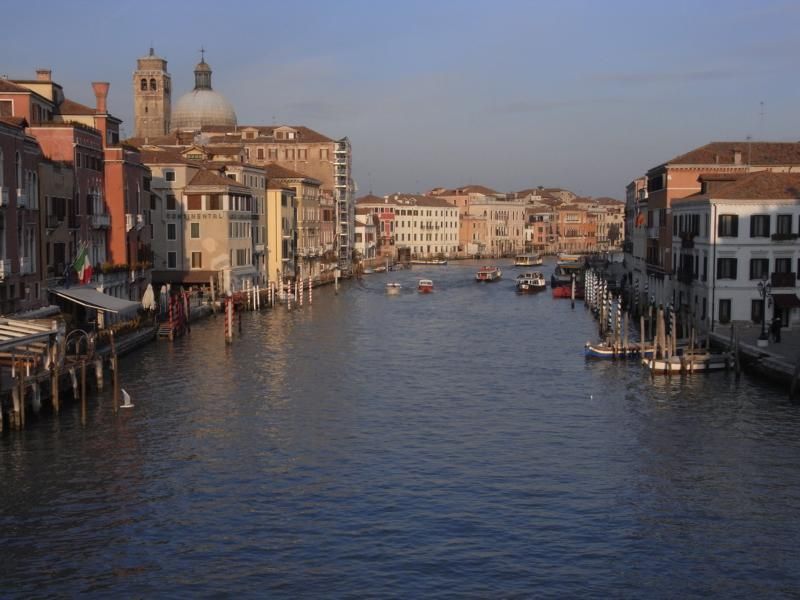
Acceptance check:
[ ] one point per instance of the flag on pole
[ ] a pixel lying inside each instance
(82, 265)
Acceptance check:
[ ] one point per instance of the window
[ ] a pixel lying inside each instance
(783, 265)
(784, 224)
(194, 229)
(6, 108)
(726, 268)
(172, 260)
(759, 268)
(728, 226)
(759, 226)
(170, 202)
(143, 84)
(169, 175)
(260, 154)
(197, 260)
(153, 85)
(756, 310)
(194, 202)
(215, 202)
(172, 231)
(724, 310)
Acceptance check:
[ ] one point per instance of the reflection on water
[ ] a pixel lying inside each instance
(448, 444)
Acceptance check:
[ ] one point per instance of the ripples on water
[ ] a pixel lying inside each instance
(455, 444)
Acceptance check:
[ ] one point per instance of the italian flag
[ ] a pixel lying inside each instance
(82, 266)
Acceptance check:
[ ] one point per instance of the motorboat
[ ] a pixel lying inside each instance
(393, 288)
(425, 286)
(528, 260)
(533, 281)
(488, 274)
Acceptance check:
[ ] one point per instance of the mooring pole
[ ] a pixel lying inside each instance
(115, 367)
(83, 392)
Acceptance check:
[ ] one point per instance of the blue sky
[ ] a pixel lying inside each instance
(510, 94)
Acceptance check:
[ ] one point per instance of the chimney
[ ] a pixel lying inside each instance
(101, 93)
(737, 156)
(43, 74)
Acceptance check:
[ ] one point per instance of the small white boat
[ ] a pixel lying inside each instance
(488, 274)
(425, 286)
(533, 281)
(527, 260)
(689, 363)
(393, 288)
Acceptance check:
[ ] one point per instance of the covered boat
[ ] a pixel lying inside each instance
(530, 282)
(425, 286)
(488, 274)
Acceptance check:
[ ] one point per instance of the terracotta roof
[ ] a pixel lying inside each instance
(405, 200)
(761, 185)
(274, 185)
(209, 177)
(10, 87)
(608, 201)
(305, 134)
(161, 140)
(276, 171)
(756, 153)
(162, 157)
(70, 107)
(18, 122)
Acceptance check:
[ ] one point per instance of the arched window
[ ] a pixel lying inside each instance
(153, 86)
(143, 85)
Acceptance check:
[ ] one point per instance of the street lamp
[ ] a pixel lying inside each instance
(764, 290)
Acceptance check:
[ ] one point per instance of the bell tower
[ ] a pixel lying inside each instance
(152, 93)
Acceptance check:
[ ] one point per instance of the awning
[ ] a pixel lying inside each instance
(90, 297)
(786, 300)
(15, 333)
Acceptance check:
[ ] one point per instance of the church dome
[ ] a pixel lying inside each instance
(202, 106)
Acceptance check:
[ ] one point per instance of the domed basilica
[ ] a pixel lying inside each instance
(202, 107)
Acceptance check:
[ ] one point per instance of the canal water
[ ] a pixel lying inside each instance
(455, 444)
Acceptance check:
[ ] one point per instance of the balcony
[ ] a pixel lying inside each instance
(139, 221)
(783, 280)
(130, 221)
(783, 237)
(100, 221)
(3, 196)
(260, 248)
(5, 268)
(652, 233)
(22, 199)
(686, 276)
(54, 221)
(25, 265)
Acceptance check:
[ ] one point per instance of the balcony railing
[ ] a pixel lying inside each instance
(783, 279)
(100, 221)
(25, 265)
(783, 237)
(54, 221)
(5, 268)
(3, 196)
(652, 233)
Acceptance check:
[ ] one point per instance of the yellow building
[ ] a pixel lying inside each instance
(281, 264)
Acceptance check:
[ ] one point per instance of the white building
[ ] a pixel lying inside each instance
(426, 226)
(738, 231)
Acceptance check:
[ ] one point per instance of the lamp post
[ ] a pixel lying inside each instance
(764, 290)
